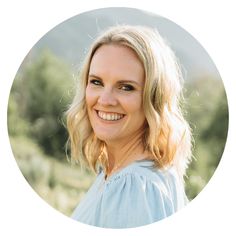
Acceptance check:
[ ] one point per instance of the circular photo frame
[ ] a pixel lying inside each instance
(45, 86)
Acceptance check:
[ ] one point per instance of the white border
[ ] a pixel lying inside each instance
(23, 23)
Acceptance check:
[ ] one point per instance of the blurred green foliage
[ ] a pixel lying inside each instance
(60, 184)
(41, 93)
(207, 114)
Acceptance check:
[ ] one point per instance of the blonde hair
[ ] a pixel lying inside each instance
(168, 135)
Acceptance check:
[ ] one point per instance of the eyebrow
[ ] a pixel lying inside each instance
(119, 81)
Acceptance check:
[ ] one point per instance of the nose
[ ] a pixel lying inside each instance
(107, 98)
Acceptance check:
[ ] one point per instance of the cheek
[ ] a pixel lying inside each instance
(133, 104)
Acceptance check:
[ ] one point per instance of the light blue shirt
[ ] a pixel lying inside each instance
(137, 195)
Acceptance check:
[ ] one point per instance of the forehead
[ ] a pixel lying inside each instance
(116, 61)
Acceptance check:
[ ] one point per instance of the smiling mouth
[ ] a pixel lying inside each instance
(109, 116)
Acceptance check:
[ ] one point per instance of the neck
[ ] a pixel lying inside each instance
(124, 152)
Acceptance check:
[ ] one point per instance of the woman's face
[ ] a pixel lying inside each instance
(114, 93)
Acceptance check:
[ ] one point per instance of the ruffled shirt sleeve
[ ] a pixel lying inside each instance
(133, 200)
(135, 197)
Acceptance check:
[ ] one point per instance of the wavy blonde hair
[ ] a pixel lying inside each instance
(168, 135)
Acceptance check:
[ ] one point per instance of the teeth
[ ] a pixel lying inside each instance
(110, 116)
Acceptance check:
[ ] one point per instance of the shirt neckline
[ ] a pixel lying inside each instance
(143, 162)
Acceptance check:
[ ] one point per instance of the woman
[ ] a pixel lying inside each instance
(126, 124)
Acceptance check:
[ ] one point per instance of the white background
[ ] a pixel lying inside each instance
(23, 23)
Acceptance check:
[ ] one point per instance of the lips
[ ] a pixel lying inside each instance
(110, 116)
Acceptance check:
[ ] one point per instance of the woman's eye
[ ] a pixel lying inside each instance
(95, 82)
(127, 87)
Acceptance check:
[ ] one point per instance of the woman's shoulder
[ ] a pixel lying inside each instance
(144, 178)
(139, 192)
(137, 195)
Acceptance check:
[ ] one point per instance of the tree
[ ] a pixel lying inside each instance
(42, 93)
(207, 113)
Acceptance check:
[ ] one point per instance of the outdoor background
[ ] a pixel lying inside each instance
(45, 84)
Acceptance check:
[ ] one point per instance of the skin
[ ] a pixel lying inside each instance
(115, 86)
